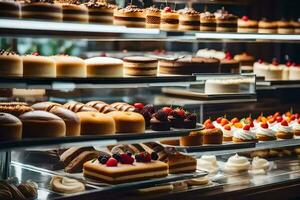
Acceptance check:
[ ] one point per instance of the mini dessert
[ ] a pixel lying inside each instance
(42, 10)
(264, 133)
(198, 181)
(10, 63)
(78, 107)
(15, 108)
(69, 66)
(101, 106)
(159, 121)
(10, 127)
(94, 123)
(140, 66)
(73, 11)
(296, 128)
(222, 86)
(41, 124)
(189, 19)
(128, 122)
(66, 185)
(9, 9)
(237, 164)
(244, 135)
(227, 133)
(104, 67)
(38, 66)
(284, 131)
(169, 19)
(294, 72)
(226, 22)
(212, 135)
(261, 68)
(146, 110)
(100, 12)
(152, 17)
(259, 166)
(193, 139)
(275, 71)
(122, 106)
(123, 168)
(176, 118)
(267, 26)
(285, 27)
(229, 65)
(246, 62)
(180, 163)
(208, 163)
(189, 65)
(245, 25)
(207, 22)
(190, 120)
(131, 16)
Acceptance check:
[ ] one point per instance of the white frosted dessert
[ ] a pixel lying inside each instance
(104, 67)
(294, 73)
(296, 129)
(211, 53)
(259, 166)
(237, 164)
(244, 135)
(275, 72)
(265, 133)
(261, 68)
(227, 133)
(225, 86)
(208, 163)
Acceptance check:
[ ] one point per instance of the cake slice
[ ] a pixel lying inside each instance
(180, 163)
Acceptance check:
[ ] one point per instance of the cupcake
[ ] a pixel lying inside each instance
(189, 19)
(208, 163)
(207, 22)
(244, 135)
(225, 22)
(272, 122)
(169, 19)
(296, 128)
(245, 25)
(285, 27)
(264, 133)
(267, 26)
(131, 16)
(212, 135)
(152, 17)
(237, 164)
(283, 130)
(176, 118)
(159, 121)
(227, 133)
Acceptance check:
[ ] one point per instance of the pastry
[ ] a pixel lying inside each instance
(296, 25)
(69, 66)
(207, 22)
(124, 168)
(176, 118)
(38, 66)
(71, 120)
(128, 122)
(296, 128)
(100, 12)
(78, 107)
(28, 189)
(35, 121)
(156, 189)
(259, 166)
(193, 139)
(10, 63)
(152, 17)
(10, 127)
(198, 181)
(227, 133)
(246, 62)
(237, 164)
(180, 186)
(283, 130)
(76, 165)
(10, 9)
(189, 19)
(180, 163)
(244, 135)
(222, 86)
(73, 11)
(208, 163)
(70, 154)
(159, 121)
(189, 65)
(140, 66)
(42, 10)
(101, 106)
(122, 106)
(131, 16)
(264, 133)
(229, 65)
(15, 108)
(66, 185)
(246, 25)
(94, 123)
(104, 67)
(285, 27)
(212, 135)
(169, 19)
(267, 26)
(226, 22)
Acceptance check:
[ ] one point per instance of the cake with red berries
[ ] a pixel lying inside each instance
(246, 25)
(226, 22)
(207, 22)
(124, 168)
(131, 16)
(152, 17)
(284, 131)
(169, 19)
(159, 121)
(267, 26)
(265, 133)
(244, 134)
(211, 134)
(229, 64)
(296, 128)
(189, 19)
(176, 118)
(146, 110)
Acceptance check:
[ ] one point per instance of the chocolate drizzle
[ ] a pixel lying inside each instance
(7, 52)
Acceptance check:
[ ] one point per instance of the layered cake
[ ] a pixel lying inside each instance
(285, 27)
(225, 22)
(207, 22)
(131, 16)
(246, 25)
(296, 25)
(10, 64)
(140, 66)
(104, 67)
(9, 9)
(152, 17)
(42, 10)
(73, 11)
(246, 61)
(69, 66)
(225, 86)
(229, 65)
(189, 65)
(267, 26)
(123, 168)
(189, 19)
(38, 66)
(169, 19)
(10, 127)
(100, 12)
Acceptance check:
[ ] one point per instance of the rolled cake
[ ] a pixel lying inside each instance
(189, 19)
(152, 17)
(10, 127)
(131, 16)
(38, 66)
(104, 67)
(207, 22)
(69, 66)
(169, 19)
(140, 66)
(10, 9)
(100, 11)
(10, 64)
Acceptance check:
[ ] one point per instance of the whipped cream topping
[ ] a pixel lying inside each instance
(208, 163)
(296, 126)
(272, 124)
(244, 134)
(227, 133)
(260, 163)
(216, 124)
(237, 164)
(280, 128)
(265, 131)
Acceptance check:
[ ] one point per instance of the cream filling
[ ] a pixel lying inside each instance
(66, 185)
(216, 124)
(227, 133)
(208, 163)
(280, 128)
(260, 163)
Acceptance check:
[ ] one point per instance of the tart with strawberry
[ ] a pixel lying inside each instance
(159, 121)
(296, 128)
(227, 133)
(211, 134)
(176, 118)
(265, 133)
(284, 130)
(272, 122)
(244, 135)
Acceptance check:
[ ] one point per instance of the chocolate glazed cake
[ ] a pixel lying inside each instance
(9, 9)
(131, 16)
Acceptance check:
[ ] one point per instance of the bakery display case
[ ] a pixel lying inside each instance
(116, 99)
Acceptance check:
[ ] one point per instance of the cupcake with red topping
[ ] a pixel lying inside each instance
(227, 133)
(284, 130)
(244, 135)
(211, 134)
(265, 133)
(246, 25)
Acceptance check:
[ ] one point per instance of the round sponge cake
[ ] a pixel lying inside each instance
(38, 66)
(10, 127)
(69, 66)
(10, 64)
(104, 67)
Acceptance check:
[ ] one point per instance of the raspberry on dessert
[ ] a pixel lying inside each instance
(284, 123)
(227, 127)
(260, 61)
(251, 124)
(139, 106)
(112, 162)
(167, 109)
(246, 127)
(126, 159)
(275, 62)
(245, 18)
(144, 157)
(288, 63)
(219, 119)
(168, 9)
(264, 125)
(228, 56)
(35, 54)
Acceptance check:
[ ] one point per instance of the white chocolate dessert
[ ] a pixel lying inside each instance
(237, 164)
(10, 64)
(38, 66)
(104, 67)
(208, 163)
(226, 86)
(69, 66)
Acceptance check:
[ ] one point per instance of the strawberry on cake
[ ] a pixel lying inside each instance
(227, 133)
(244, 135)
(265, 133)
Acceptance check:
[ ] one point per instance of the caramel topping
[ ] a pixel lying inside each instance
(188, 11)
(7, 52)
(99, 4)
(130, 9)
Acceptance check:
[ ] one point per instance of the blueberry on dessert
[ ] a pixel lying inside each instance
(190, 120)
(176, 118)
(159, 121)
